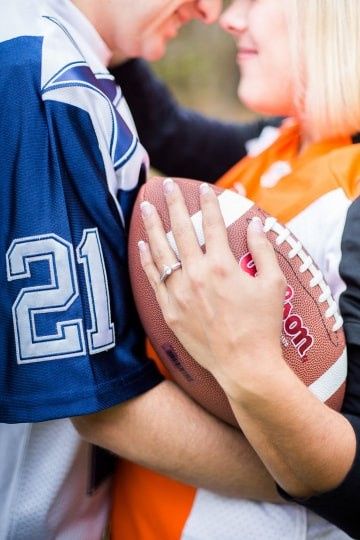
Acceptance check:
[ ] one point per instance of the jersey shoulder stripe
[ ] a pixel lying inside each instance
(70, 168)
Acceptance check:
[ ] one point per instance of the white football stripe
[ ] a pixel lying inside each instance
(330, 381)
(232, 205)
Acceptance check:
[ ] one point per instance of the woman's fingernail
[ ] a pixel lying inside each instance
(146, 209)
(240, 189)
(204, 188)
(168, 185)
(256, 225)
(142, 246)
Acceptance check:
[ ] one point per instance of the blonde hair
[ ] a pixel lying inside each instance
(325, 38)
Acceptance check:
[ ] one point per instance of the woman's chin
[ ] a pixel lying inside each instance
(263, 102)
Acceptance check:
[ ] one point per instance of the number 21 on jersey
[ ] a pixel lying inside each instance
(66, 338)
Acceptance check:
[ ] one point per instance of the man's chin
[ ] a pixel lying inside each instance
(154, 52)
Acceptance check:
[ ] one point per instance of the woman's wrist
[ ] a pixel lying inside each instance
(254, 376)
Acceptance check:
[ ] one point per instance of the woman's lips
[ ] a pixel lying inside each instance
(245, 53)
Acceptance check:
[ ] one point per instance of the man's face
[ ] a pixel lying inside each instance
(142, 28)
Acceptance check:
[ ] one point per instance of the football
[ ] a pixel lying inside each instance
(312, 338)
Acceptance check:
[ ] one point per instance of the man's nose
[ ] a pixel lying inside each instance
(209, 10)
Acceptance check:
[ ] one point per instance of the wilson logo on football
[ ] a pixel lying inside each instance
(292, 323)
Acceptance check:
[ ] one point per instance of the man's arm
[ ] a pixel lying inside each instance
(180, 141)
(166, 431)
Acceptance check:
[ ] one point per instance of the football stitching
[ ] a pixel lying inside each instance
(284, 235)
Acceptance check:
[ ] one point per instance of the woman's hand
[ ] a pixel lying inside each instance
(228, 321)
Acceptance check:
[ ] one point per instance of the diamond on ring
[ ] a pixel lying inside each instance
(165, 273)
(168, 270)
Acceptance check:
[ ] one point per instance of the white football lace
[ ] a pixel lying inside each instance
(284, 235)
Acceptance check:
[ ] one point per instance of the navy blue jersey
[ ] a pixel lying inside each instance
(70, 167)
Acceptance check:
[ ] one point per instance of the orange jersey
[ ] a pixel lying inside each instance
(310, 193)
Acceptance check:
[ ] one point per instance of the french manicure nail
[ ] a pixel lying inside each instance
(142, 246)
(168, 185)
(204, 188)
(256, 225)
(146, 209)
(240, 189)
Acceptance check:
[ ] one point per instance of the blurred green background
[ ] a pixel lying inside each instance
(200, 69)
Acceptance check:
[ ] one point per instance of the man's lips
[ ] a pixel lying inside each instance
(178, 20)
(182, 17)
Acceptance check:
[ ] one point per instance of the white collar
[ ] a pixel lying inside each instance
(85, 32)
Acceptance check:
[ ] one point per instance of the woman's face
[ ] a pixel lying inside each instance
(260, 30)
(142, 28)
